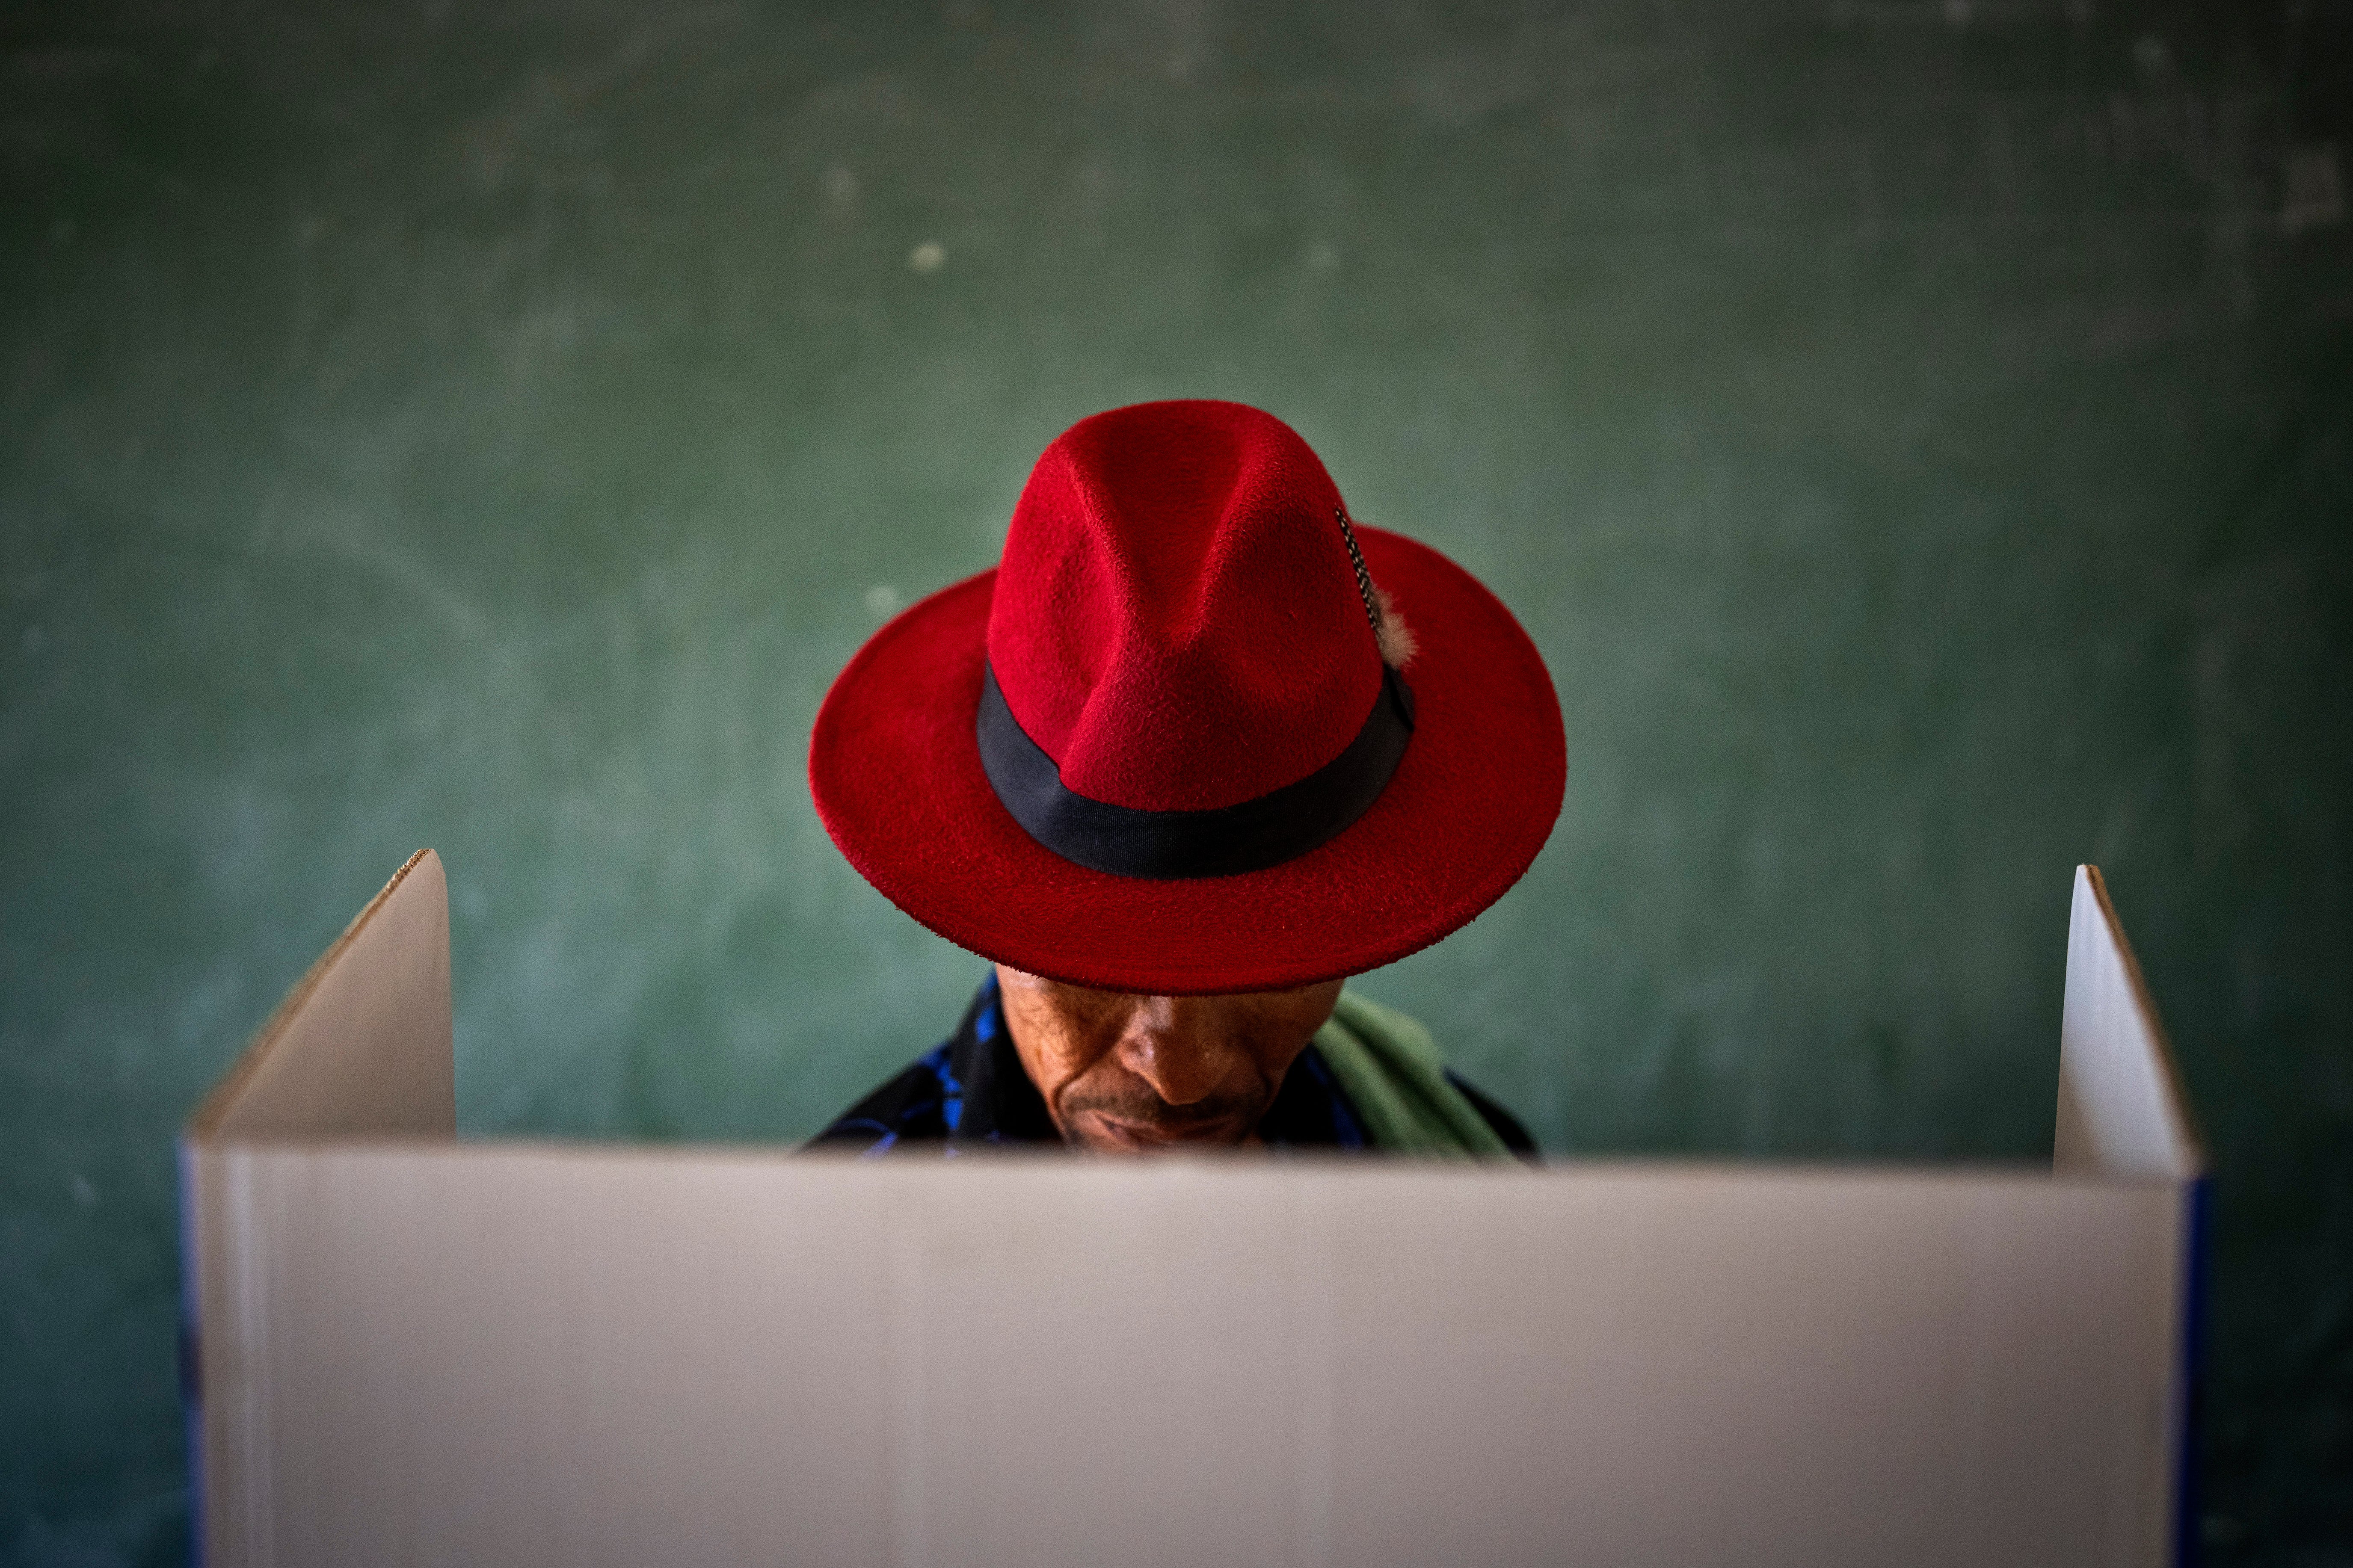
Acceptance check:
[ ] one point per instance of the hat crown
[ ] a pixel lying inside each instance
(1176, 621)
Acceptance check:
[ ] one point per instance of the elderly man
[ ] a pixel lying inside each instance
(1197, 749)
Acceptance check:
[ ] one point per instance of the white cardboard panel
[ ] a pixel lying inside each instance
(540, 1355)
(361, 1044)
(418, 1351)
(2121, 1110)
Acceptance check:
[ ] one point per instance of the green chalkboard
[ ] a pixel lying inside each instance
(1918, 433)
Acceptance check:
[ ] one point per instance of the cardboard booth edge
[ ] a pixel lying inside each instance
(361, 1046)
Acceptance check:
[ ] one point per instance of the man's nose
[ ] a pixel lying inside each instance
(1173, 1044)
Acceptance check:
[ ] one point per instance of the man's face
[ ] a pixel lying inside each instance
(1121, 1072)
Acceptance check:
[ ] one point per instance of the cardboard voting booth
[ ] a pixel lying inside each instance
(411, 1348)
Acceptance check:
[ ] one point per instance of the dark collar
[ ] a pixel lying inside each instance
(993, 1100)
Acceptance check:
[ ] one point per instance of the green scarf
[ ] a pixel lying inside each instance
(1389, 1069)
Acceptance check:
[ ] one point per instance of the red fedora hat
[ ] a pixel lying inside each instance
(1166, 746)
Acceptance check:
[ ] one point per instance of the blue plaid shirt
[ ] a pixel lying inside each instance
(972, 1091)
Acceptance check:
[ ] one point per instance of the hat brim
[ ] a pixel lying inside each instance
(897, 778)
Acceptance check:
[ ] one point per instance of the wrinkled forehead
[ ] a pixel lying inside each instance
(1044, 990)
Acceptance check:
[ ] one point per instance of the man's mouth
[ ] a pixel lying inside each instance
(1140, 1135)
